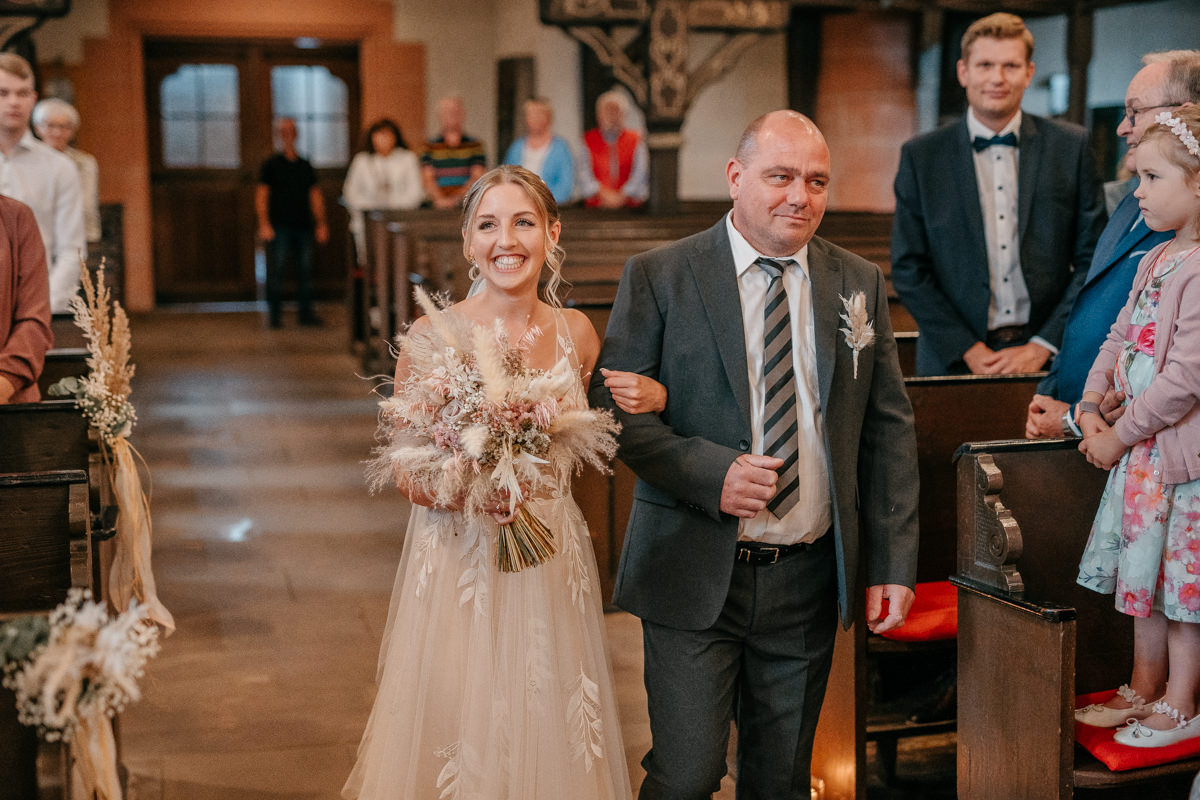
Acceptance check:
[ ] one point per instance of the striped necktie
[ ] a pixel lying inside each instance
(779, 408)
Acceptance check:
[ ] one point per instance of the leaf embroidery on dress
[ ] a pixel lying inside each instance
(537, 668)
(423, 555)
(448, 778)
(587, 729)
(577, 576)
(473, 580)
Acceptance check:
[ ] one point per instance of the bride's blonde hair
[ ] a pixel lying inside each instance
(547, 210)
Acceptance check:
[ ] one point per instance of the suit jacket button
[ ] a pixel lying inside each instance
(743, 445)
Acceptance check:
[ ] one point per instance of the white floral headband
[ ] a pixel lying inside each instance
(1177, 126)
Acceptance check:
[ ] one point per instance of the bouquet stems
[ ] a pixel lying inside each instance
(524, 542)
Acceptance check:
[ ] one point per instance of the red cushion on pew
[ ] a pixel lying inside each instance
(1118, 757)
(933, 616)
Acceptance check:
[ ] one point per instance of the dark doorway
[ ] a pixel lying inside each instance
(210, 108)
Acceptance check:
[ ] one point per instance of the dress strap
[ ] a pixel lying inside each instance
(564, 344)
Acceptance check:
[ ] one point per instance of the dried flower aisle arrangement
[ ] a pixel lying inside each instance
(72, 672)
(472, 422)
(103, 397)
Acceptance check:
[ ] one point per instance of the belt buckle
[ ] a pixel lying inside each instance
(775, 554)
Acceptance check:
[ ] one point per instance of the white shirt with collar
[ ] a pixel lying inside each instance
(996, 170)
(48, 182)
(812, 516)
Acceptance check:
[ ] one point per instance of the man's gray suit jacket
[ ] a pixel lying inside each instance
(677, 318)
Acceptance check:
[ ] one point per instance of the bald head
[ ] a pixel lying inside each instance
(778, 181)
(782, 122)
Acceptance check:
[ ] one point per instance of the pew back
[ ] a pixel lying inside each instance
(1024, 655)
(44, 547)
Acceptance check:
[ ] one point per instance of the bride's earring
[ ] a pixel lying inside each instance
(473, 272)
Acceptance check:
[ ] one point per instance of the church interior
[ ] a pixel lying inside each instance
(275, 561)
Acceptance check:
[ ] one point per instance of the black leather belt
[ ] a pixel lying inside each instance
(1008, 335)
(757, 554)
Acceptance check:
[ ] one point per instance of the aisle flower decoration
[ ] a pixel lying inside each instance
(72, 672)
(103, 397)
(472, 422)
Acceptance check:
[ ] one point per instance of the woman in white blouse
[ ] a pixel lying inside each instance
(384, 175)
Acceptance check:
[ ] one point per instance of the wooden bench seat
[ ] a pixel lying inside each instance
(1031, 638)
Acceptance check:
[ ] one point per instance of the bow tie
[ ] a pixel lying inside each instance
(1008, 140)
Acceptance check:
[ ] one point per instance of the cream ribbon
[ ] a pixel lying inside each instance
(94, 758)
(131, 575)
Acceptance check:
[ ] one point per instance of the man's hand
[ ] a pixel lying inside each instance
(1044, 420)
(7, 390)
(265, 232)
(900, 600)
(634, 393)
(1029, 357)
(749, 484)
(1113, 404)
(983, 360)
(322, 233)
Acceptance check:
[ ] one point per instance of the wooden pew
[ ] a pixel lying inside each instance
(44, 551)
(53, 435)
(1030, 638)
(947, 412)
(62, 362)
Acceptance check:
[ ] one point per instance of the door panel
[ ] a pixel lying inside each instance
(210, 109)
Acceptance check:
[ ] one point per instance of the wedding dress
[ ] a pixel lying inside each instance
(494, 686)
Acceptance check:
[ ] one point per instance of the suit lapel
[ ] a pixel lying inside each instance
(716, 278)
(828, 279)
(1030, 158)
(962, 165)
(1119, 237)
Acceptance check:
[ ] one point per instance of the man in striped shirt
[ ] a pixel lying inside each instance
(453, 160)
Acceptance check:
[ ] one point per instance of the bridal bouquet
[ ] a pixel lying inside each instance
(72, 672)
(472, 422)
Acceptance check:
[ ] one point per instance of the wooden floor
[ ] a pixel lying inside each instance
(278, 567)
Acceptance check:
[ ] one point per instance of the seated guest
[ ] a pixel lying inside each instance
(997, 215)
(615, 173)
(24, 303)
(1168, 80)
(544, 153)
(453, 160)
(42, 178)
(385, 174)
(56, 122)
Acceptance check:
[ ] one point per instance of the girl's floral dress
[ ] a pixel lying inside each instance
(1145, 542)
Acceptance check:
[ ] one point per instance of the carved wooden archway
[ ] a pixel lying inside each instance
(645, 44)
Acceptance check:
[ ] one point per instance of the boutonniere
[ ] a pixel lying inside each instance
(859, 330)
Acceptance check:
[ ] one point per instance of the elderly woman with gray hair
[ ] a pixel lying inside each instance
(56, 122)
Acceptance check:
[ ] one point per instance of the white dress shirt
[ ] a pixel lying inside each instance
(48, 182)
(812, 516)
(996, 176)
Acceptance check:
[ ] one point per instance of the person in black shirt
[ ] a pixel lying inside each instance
(291, 213)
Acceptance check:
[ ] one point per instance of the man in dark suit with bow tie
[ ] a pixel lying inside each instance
(1168, 80)
(996, 218)
(780, 476)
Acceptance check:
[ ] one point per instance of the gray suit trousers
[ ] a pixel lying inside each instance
(764, 664)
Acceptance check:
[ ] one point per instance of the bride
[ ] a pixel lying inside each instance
(496, 684)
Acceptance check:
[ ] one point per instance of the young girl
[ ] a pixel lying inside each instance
(1145, 541)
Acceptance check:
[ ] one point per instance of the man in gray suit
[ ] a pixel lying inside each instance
(996, 218)
(783, 455)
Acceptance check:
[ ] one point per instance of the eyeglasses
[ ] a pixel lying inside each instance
(1131, 113)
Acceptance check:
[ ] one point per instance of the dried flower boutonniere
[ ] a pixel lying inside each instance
(859, 330)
